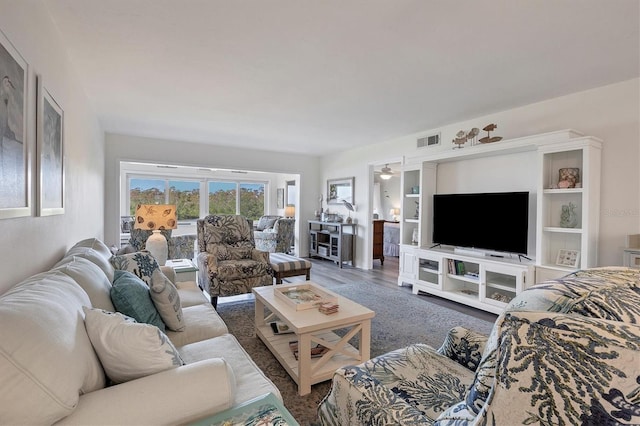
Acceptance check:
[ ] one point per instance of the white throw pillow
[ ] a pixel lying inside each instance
(129, 350)
(167, 300)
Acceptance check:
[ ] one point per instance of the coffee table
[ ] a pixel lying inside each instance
(309, 327)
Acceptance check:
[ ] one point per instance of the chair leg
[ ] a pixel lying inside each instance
(214, 302)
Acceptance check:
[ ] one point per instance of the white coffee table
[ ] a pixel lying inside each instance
(311, 327)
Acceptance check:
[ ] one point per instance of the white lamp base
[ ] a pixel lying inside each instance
(157, 246)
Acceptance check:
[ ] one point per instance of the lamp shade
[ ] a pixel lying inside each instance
(386, 173)
(289, 211)
(156, 216)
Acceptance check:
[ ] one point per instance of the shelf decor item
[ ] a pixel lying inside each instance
(568, 177)
(489, 139)
(569, 258)
(568, 217)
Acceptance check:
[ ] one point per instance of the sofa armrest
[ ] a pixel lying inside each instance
(464, 346)
(177, 396)
(356, 397)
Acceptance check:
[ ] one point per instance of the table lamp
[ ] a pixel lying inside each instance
(154, 217)
(289, 211)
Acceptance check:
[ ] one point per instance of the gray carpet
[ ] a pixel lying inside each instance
(401, 319)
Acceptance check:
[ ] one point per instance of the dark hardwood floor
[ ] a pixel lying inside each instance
(327, 272)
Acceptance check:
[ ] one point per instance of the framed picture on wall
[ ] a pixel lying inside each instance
(339, 190)
(569, 258)
(15, 182)
(280, 196)
(50, 139)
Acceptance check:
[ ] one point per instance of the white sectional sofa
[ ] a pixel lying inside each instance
(50, 372)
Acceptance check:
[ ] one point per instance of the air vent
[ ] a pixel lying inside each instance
(431, 140)
(242, 172)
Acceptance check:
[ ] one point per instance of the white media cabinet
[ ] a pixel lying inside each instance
(483, 282)
(503, 278)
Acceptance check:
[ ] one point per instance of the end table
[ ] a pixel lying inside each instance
(185, 269)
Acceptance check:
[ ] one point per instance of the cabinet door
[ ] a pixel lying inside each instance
(313, 242)
(408, 264)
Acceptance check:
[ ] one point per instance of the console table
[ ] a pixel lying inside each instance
(332, 240)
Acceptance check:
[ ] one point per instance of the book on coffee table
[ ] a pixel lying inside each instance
(317, 350)
(279, 327)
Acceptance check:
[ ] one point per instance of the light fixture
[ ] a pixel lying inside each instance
(156, 217)
(386, 173)
(394, 213)
(290, 211)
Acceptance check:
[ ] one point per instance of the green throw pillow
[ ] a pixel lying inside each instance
(130, 296)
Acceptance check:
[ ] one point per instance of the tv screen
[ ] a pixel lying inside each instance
(493, 221)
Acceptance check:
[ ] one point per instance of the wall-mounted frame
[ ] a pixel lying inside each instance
(280, 198)
(50, 153)
(570, 258)
(339, 190)
(15, 173)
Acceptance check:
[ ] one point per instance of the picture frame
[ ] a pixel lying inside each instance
(15, 169)
(570, 258)
(280, 198)
(50, 153)
(339, 190)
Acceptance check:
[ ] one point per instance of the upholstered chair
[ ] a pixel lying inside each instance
(228, 262)
(278, 239)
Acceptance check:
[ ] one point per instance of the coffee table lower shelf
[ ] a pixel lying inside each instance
(321, 369)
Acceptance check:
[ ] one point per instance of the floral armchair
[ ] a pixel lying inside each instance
(278, 239)
(563, 352)
(228, 262)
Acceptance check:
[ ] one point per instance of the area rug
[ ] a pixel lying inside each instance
(401, 319)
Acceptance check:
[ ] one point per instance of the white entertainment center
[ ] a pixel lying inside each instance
(489, 282)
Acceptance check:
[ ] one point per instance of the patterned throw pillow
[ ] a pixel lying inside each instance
(132, 297)
(163, 293)
(266, 223)
(129, 350)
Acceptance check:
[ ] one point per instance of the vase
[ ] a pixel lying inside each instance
(568, 217)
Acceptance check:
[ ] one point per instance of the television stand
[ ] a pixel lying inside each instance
(476, 280)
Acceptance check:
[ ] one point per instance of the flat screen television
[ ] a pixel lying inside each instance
(491, 221)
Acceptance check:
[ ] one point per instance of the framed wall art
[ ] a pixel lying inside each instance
(15, 173)
(280, 198)
(339, 190)
(570, 258)
(50, 153)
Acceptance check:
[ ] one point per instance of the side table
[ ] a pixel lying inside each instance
(263, 410)
(185, 269)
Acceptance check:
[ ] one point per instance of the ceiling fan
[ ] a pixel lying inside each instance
(386, 173)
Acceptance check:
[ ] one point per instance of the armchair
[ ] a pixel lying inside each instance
(228, 261)
(278, 239)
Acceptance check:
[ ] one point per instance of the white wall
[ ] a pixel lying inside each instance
(611, 113)
(33, 244)
(131, 148)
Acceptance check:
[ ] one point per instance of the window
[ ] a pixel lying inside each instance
(186, 196)
(145, 191)
(252, 200)
(222, 197)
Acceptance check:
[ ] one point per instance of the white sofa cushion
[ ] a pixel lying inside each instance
(46, 358)
(250, 380)
(127, 349)
(92, 279)
(89, 254)
(95, 244)
(202, 322)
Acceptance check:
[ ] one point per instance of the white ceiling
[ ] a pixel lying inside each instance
(317, 76)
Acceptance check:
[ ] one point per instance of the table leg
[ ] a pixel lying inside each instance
(259, 313)
(365, 341)
(304, 364)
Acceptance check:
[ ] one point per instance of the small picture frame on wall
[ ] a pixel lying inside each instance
(280, 198)
(569, 258)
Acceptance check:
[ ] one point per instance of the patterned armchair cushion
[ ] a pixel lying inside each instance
(464, 346)
(407, 386)
(266, 222)
(231, 270)
(182, 246)
(561, 369)
(279, 239)
(231, 253)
